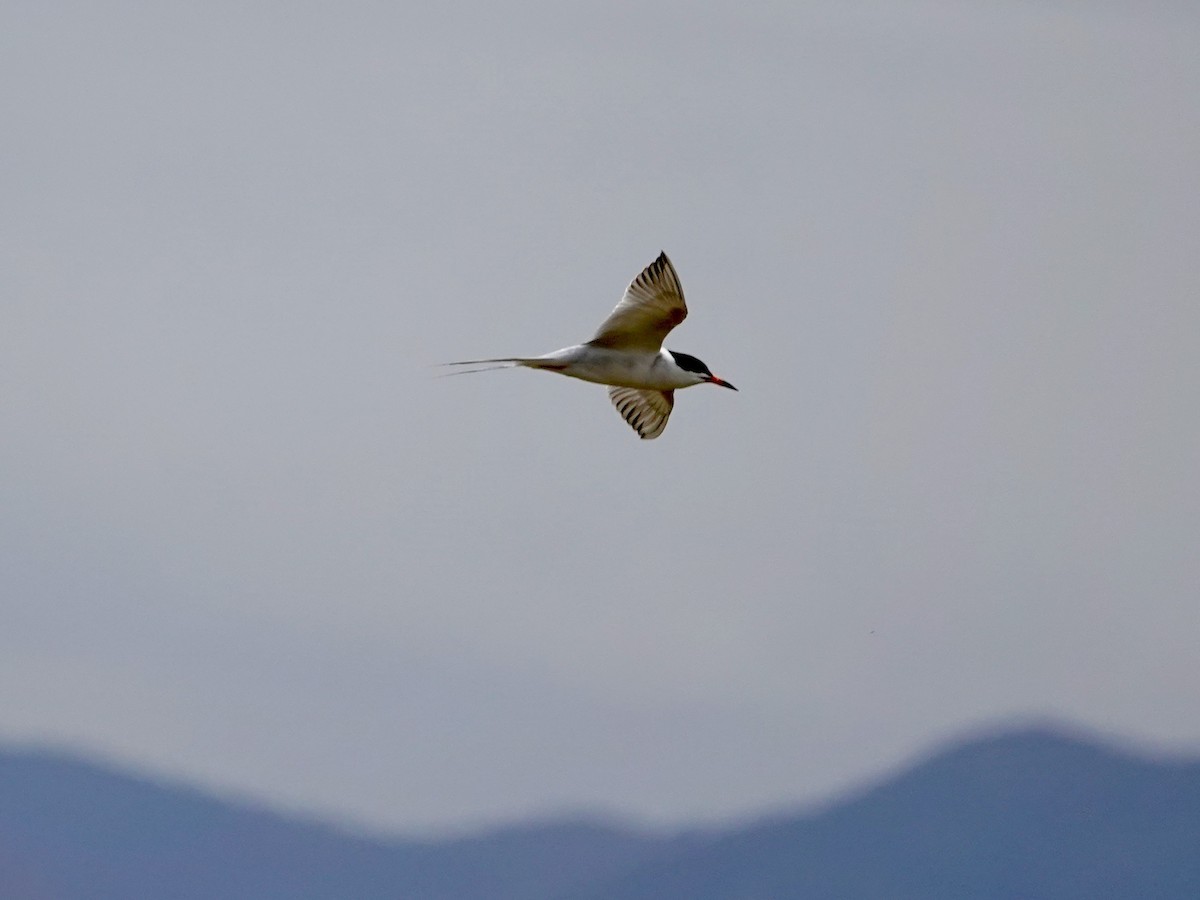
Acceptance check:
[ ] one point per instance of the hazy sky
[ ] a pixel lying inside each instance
(948, 251)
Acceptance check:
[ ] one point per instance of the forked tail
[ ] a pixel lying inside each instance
(504, 362)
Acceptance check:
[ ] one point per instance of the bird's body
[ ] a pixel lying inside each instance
(626, 353)
(603, 365)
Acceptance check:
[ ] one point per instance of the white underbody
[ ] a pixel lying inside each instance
(623, 368)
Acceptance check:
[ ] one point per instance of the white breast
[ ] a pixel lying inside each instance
(655, 371)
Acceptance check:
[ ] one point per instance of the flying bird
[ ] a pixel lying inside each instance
(626, 353)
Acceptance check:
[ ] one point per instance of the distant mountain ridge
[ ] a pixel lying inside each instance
(1020, 814)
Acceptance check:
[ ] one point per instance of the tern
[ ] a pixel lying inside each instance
(626, 353)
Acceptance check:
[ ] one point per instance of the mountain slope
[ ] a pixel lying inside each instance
(1025, 814)
(1019, 815)
(71, 830)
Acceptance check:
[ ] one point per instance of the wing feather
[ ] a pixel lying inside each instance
(653, 305)
(645, 411)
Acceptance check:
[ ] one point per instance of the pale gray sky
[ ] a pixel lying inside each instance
(949, 251)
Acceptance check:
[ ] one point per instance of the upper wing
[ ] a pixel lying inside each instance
(646, 411)
(652, 306)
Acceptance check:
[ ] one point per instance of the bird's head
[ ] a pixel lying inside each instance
(698, 369)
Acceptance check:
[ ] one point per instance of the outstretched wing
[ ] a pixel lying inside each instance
(646, 411)
(652, 306)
